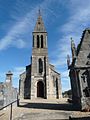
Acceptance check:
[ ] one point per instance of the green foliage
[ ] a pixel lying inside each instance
(67, 94)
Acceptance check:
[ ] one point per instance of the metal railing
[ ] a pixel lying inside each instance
(10, 104)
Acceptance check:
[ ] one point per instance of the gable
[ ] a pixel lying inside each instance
(83, 50)
(52, 68)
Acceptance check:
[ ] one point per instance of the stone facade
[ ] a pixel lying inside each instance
(8, 93)
(80, 71)
(1, 94)
(40, 78)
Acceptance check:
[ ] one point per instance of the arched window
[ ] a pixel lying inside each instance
(41, 41)
(40, 65)
(33, 40)
(37, 41)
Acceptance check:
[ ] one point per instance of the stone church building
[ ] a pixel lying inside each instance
(80, 71)
(40, 78)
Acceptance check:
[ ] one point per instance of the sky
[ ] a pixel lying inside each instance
(63, 19)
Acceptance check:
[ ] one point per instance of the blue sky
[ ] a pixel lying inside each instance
(63, 19)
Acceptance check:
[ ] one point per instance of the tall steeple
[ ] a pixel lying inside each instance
(39, 34)
(39, 27)
(39, 61)
(40, 80)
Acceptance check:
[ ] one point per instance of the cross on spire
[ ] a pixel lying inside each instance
(39, 12)
(39, 27)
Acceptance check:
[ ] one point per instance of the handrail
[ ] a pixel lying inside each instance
(10, 104)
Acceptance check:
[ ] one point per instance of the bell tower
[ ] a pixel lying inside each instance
(40, 78)
(39, 59)
(39, 35)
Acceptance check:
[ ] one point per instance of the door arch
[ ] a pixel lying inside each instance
(40, 89)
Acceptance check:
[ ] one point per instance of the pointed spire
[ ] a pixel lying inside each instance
(39, 27)
(68, 61)
(73, 49)
(72, 43)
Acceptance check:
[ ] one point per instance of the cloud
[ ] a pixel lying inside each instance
(2, 76)
(21, 43)
(79, 17)
(65, 85)
(24, 17)
(22, 26)
(17, 71)
(77, 21)
(65, 80)
(65, 74)
(13, 36)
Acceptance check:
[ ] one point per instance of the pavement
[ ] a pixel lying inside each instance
(42, 109)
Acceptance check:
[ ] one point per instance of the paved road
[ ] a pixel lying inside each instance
(45, 115)
(44, 110)
(41, 110)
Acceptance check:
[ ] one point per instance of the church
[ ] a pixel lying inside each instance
(40, 80)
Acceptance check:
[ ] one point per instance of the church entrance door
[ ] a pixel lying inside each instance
(40, 89)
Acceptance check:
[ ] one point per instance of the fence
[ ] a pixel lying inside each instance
(10, 104)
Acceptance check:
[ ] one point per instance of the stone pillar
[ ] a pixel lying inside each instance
(47, 77)
(59, 87)
(32, 88)
(75, 85)
(9, 77)
(8, 87)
